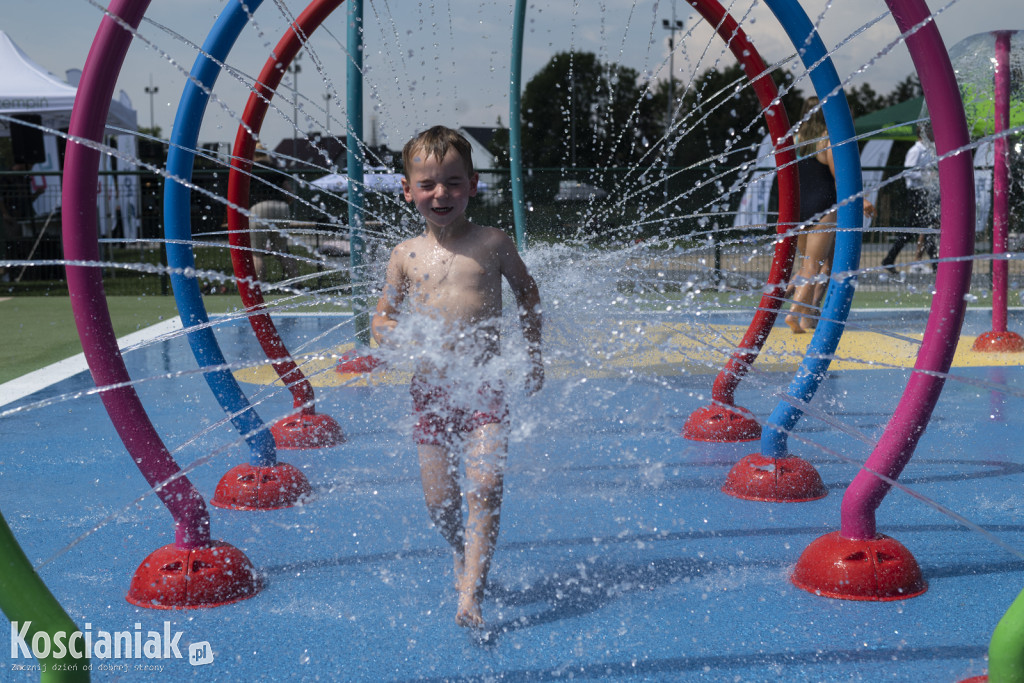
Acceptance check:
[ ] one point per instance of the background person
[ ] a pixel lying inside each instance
(268, 225)
(919, 177)
(16, 198)
(817, 238)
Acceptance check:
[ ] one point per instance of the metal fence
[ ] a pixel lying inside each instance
(686, 218)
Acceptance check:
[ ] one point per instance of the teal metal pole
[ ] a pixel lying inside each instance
(354, 143)
(515, 136)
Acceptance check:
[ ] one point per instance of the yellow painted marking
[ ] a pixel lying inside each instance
(644, 347)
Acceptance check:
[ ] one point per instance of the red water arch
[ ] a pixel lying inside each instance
(305, 429)
(722, 420)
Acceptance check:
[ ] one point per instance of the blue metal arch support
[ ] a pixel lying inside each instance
(839, 296)
(177, 228)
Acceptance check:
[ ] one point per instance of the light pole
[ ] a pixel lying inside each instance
(151, 90)
(572, 123)
(294, 68)
(327, 99)
(672, 26)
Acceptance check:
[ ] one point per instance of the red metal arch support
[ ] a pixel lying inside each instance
(722, 420)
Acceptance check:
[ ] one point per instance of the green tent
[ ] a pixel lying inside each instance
(898, 122)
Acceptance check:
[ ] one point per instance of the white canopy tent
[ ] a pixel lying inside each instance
(26, 88)
(373, 182)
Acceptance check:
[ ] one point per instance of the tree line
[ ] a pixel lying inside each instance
(670, 155)
(579, 112)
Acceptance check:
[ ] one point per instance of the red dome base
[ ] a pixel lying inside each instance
(721, 424)
(783, 480)
(976, 679)
(999, 342)
(248, 487)
(350, 363)
(304, 431)
(880, 569)
(171, 578)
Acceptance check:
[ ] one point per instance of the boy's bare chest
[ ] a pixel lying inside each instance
(455, 282)
(449, 269)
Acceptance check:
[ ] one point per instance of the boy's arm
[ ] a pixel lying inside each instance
(385, 318)
(524, 287)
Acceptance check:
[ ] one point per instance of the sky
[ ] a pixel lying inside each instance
(444, 61)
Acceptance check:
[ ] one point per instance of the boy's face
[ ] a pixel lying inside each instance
(440, 189)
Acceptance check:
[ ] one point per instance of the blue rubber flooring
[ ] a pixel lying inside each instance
(619, 557)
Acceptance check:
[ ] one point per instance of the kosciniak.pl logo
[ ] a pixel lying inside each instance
(134, 644)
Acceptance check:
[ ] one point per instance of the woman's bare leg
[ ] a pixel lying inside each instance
(793, 318)
(820, 287)
(818, 248)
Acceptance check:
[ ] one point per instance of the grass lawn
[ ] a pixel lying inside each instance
(886, 299)
(40, 330)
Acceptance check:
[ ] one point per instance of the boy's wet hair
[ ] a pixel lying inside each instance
(437, 142)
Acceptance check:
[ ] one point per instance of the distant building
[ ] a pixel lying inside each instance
(319, 151)
(480, 139)
(312, 151)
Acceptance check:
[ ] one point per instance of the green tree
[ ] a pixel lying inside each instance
(864, 100)
(907, 89)
(720, 118)
(499, 146)
(580, 112)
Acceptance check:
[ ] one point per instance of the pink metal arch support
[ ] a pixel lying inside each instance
(85, 283)
(716, 422)
(1001, 181)
(857, 562)
(956, 184)
(1000, 339)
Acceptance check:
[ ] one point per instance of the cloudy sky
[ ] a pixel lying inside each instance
(445, 61)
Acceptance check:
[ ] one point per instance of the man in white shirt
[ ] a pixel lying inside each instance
(920, 176)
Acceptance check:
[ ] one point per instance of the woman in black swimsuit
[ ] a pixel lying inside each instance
(817, 238)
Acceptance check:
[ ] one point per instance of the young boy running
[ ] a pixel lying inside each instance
(449, 277)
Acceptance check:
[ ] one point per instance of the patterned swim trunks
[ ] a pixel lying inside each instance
(442, 412)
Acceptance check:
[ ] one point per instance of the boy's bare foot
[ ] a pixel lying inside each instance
(794, 323)
(468, 613)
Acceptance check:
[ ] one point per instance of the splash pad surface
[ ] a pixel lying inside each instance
(619, 556)
(609, 398)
